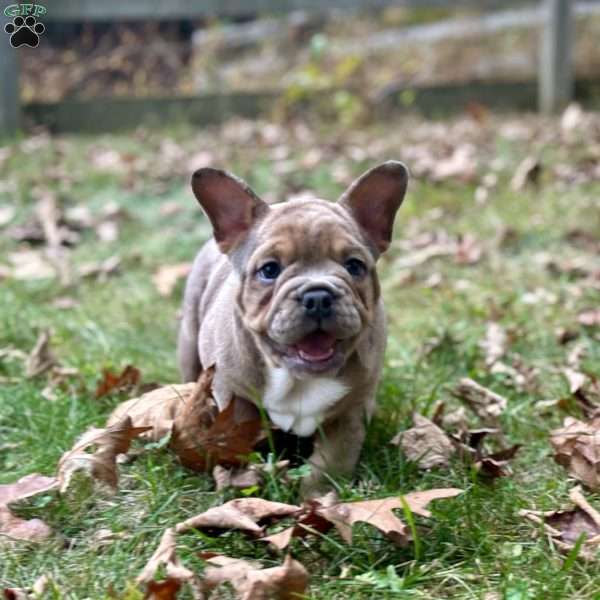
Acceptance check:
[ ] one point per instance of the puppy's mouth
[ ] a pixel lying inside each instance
(316, 347)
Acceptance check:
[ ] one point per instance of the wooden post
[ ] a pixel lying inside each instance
(555, 79)
(9, 83)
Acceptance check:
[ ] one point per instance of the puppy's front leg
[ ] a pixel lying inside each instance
(336, 451)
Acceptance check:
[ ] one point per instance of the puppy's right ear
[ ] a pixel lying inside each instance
(231, 206)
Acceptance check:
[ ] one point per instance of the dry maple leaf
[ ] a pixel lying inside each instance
(577, 448)
(167, 276)
(202, 437)
(113, 382)
(286, 582)
(241, 513)
(425, 443)
(101, 465)
(35, 591)
(156, 409)
(487, 405)
(379, 513)
(165, 559)
(26, 487)
(565, 527)
(245, 477)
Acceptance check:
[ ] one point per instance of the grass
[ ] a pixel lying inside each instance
(473, 545)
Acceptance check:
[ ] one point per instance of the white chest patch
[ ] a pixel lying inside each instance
(299, 405)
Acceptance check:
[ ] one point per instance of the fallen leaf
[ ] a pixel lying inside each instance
(111, 382)
(241, 513)
(100, 465)
(41, 358)
(379, 513)
(487, 405)
(204, 437)
(565, 527)
(425, 444)
(248, 476)
(165, 560)
(589, 318)
(100, 270)
(167, 276)
(468, 251)
(527, 173)
(26, 487)
(577, 448)
(35, 591)
(156, 409)
(13, 527)
(286, 582)
(495, 343)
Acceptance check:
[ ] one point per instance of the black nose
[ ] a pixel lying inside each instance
(318, 303)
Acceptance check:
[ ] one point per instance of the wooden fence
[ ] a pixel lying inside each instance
(555, 73)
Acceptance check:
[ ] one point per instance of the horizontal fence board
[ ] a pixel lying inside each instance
(113, 114)
(115, 10)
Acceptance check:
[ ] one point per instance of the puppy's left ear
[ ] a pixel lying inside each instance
(229, 203)
(373, 200)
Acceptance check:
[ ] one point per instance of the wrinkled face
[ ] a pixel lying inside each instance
(307, 268)
(309, 285)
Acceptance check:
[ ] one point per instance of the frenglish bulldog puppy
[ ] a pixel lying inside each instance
(285, 302)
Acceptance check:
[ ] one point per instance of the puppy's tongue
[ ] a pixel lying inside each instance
(316, 346)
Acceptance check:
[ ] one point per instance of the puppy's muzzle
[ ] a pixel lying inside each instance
(318, 303)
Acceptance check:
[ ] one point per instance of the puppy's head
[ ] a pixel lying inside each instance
(308, 285)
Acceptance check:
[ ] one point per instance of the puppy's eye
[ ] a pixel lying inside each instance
(269, 271)
(355, 267)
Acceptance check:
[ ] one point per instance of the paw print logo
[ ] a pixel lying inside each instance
(24, 32)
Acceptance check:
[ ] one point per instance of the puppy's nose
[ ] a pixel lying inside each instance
(318, 303)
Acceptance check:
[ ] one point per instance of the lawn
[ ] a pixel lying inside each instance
(514, 247)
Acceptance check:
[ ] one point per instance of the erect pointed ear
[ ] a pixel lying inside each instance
(374, 198)
(231, 206)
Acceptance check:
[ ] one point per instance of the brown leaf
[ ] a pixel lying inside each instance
(202, 437)
(35, 591)
(528, 172)
(379, 513)
(227, 441)
(576, 379)
(41, 358)
(241, 513)
(286, 582)
(100, 270)
(166, 560)
(487, 405)
(101, 465)
(167, 276)
(589, 318)
(425, 444)
(112, 382)
(15, 528)
(577, 448)
(26, 487)
(309, 522)
(565, 527)
(156, 409)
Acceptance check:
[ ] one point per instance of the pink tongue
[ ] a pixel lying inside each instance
(316, 346)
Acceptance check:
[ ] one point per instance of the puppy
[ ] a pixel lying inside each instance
(285, 302)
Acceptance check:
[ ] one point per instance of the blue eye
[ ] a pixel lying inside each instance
(355, 267)
(269, 271)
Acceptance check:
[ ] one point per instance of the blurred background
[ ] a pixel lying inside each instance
(103, 65)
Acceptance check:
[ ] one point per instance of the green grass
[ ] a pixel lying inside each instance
(474, 544)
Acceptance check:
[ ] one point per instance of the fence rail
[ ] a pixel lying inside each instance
(555, 73)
